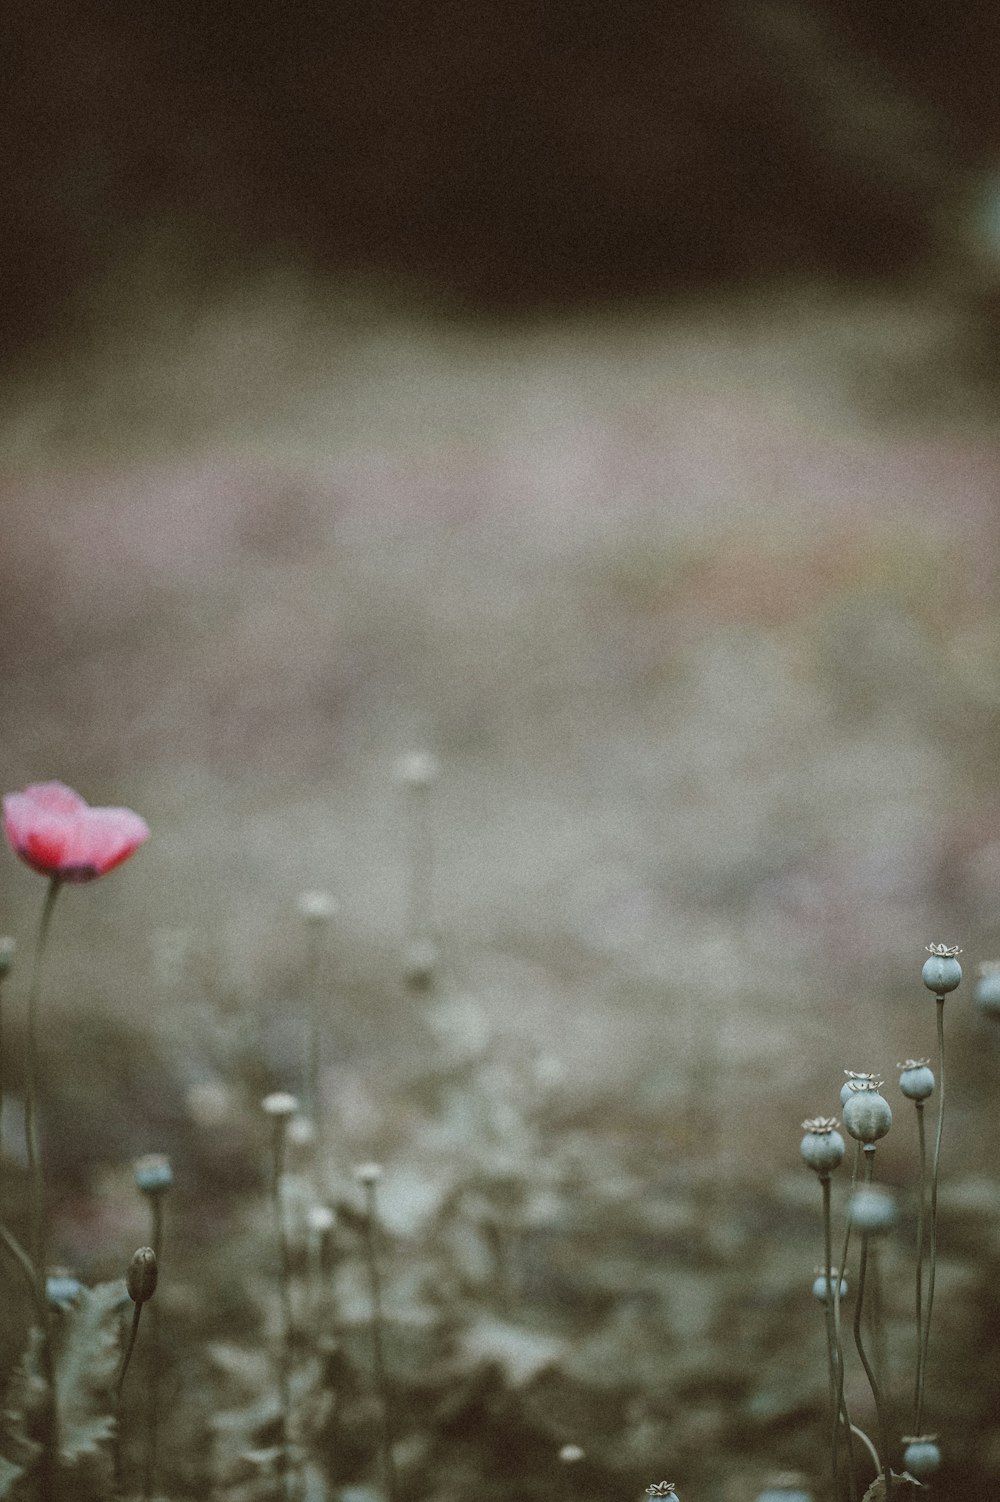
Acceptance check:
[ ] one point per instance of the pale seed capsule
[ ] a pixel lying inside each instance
(62, 1289)
(987, 992)
(368, 1173)
(788, 1486)
(871, 1210)
(140, 1279)
(820, 1284)
(922, 1456)
(570, 1454)
(917, 1079)
(942, 972)
(867, 1115)
(822, 1147)
(852, 1075)
(280, 1105)
(153, 1173)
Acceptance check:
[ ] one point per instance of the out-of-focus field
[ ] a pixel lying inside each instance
(698, 610)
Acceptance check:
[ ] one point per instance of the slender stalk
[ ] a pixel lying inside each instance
(932, 1250)
(50, 1461)
(314, 1054)
(873, 1381)
(871, 1448)
(378, 1351)
(831, 1331)
(38, 1226)
(841, 1403)
(130, 1347)
(921, 1207)
(154, 1363)
(288, 1332)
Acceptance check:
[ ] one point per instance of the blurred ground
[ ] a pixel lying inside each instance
(696, 608)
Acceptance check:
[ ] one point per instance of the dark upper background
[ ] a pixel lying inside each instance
(504, 154)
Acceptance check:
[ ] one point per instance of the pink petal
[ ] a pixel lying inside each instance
(104, 837)
(54, 797)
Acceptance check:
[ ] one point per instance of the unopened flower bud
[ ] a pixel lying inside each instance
(140, 1279)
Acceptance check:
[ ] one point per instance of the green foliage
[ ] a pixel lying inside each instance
(86, 1359)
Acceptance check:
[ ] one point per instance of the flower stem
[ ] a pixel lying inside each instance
(921, 1206)
(873, 1382)
(38, 1227)
(831, 1331)
(288, 1323)
(932, 1257)
(154, 1362)
(378, 1351)
(136, 1315)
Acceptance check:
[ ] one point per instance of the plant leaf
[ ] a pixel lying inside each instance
(85, 1368)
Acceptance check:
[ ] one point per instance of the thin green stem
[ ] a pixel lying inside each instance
(932, 1249)
(130, 1347)
(873, 1381)
(841, 1405)
(421, 863)
(38, 1227)
(831, 1332)
(154, 1363)
(871, 1448)
(921, 1207)
(378, 1352)
(288, 1319)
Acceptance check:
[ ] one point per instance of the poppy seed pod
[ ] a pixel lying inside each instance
(822, 1147)
(917, 1079)
(789, 1486)
(942, 972)
(867, 1115)
(368, 1173)
(570, 1454)
(987, 992)
(922, 1456)
(140, 1279)
(820, 1284)
(662, 1489)
(852, 1075)
(871, 1210)
(280, 1105)
(153, 1173)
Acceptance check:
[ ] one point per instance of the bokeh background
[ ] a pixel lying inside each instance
(605, 399)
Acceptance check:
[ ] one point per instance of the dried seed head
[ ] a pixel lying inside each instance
(916, 1079)
(153, 1173)
(867, 1115)
(942, 972)
(871, 1210)
(301, 1131)
(318, 907)
(280, 1105)
(852, 1076)
(570, 1454)
(922, 1455)
(820, 1288)
(987, 992)
(320, 1218)
(140, 1279)
(822, 1147)
(368, 1173)
(661, 1489)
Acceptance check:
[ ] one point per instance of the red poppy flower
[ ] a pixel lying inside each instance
(55, 832)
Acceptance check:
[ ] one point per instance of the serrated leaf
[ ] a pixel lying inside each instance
(26, 1392)
(900, 1484)
(85, 1368)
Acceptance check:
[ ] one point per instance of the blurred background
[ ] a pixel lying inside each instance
(603, 398)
